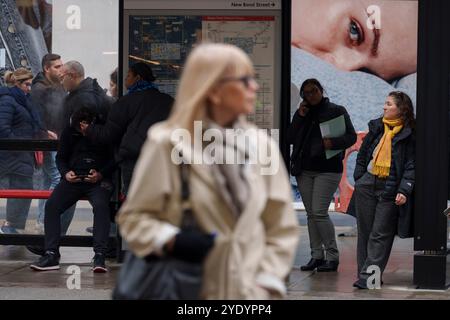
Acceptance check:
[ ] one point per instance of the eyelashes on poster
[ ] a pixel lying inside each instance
(359, 50)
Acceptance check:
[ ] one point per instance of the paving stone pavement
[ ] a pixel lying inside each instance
(18, 281)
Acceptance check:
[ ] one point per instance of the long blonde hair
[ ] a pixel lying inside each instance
(206, 65)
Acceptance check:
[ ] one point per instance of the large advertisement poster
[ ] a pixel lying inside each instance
(360, 50)
(25, 34)
(82, 30)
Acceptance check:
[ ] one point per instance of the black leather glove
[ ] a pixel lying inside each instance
(192, 245)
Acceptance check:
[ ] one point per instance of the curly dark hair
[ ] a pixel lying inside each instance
(404, 104)
(82, 114)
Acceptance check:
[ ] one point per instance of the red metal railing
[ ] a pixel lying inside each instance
(33, 194)
(25, 194)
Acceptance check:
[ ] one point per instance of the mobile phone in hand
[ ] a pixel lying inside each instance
(303, 108)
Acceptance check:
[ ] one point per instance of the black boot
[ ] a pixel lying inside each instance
(360, 284)
(312, 264)
(328, 266)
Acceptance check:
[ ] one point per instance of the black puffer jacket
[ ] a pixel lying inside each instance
(19, 119)
(78, 153)
(304, 133)
(129, 120)
(88, 95)
(402, 173)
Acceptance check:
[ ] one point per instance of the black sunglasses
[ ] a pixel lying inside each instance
(246, 80)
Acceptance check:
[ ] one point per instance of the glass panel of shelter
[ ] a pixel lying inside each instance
(84, 31)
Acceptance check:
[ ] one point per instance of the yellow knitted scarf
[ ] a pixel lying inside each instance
(382, 158)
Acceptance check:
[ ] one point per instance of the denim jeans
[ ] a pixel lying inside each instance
(17, 209)
(47, 179)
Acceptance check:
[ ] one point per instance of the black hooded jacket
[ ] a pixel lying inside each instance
(304, 133)
(88, 95)
(77, 153)
(129, 120)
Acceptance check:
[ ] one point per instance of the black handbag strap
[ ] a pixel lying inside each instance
(184, 177)
(188, 220)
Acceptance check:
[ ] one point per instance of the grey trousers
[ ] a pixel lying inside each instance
(377, 220)
(317, 190)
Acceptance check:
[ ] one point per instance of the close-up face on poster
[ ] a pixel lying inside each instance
(359, 50)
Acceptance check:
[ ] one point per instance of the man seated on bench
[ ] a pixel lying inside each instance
(87, 169)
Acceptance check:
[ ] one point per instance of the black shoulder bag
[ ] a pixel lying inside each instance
(162, 277)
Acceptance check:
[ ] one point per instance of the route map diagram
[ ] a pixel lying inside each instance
(255, 35)
(165, 42)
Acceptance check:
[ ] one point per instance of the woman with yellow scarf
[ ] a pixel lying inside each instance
(384, 183)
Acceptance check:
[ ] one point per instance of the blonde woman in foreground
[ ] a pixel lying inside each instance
(245, 210)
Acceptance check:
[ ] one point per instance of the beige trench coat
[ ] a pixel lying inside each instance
(249, 254)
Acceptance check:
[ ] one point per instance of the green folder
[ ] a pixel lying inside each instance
(332, 129)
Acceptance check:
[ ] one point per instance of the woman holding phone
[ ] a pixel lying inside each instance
(318, 176)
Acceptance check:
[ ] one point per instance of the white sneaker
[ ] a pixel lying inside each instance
(5, 229)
